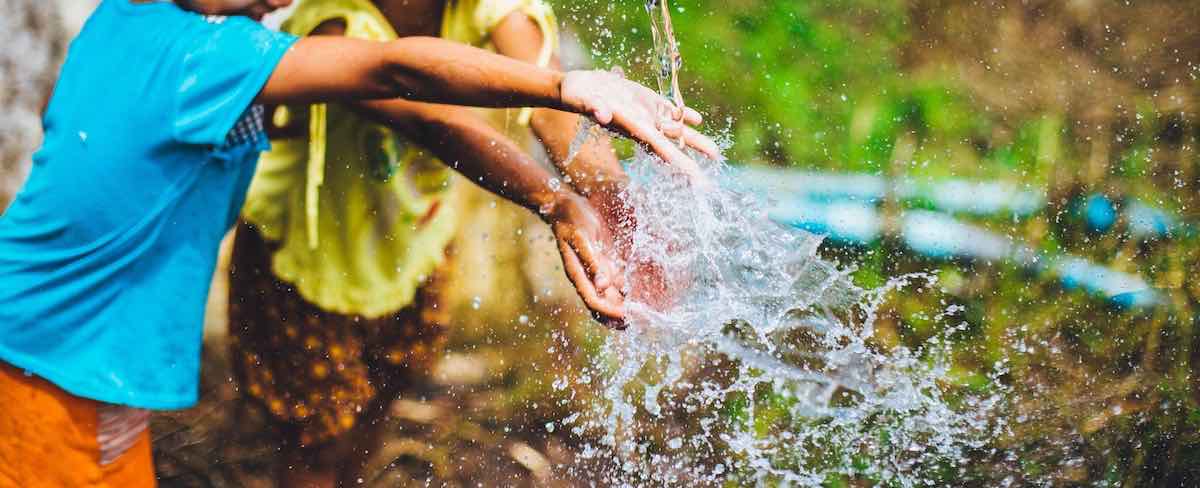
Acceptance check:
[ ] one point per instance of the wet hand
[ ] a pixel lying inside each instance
(589, 258)
(638, 112)
(649, 282)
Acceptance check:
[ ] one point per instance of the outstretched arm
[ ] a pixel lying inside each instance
(339, 69)
(594, 171)
(485, 156)
(519, 37)
(595, 168)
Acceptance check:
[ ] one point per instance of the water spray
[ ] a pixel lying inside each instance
(786, 327)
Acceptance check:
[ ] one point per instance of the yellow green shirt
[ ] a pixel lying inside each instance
(360, 215)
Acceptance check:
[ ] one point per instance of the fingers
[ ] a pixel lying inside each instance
(583, 285)
(602, 115)
(605, 309)
(638, 112)
(677, 127)
(597, 291)
(692, 138)
(686, 115)
(617, 300)
(675, 112)
(660, 144)
(601, 268)
(670, 128)
(702, 143)
(618, 217)
(619, 283)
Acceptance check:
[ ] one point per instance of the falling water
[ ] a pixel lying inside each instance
(752, 358)
(666, 50)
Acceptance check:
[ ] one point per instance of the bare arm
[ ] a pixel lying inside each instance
(471, 146)
(485, 156)
(338, 69)
(595, 168)
(334, 68)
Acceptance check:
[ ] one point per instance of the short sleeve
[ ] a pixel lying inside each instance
(226, 62)
(472, 21)
(488, 14)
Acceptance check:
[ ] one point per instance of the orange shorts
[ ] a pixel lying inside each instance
(50, 438)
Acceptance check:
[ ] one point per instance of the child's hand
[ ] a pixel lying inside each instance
(638, 112)
(649, 282)
(589, 258)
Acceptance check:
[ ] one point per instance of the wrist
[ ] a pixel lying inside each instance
(553, 205)
(558, 77)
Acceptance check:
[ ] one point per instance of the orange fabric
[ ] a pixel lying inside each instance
(48, 438)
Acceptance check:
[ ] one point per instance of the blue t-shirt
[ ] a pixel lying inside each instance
(107, 252)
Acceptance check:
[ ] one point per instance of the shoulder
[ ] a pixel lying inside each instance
(220, 38)
(217, 29)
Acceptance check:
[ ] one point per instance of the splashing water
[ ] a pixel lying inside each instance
(766, 351)
(751, 358)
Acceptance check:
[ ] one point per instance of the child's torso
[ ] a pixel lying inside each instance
(107, 251)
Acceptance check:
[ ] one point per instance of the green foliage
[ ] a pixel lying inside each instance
(809, 84)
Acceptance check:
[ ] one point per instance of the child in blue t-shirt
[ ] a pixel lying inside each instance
(151, 138)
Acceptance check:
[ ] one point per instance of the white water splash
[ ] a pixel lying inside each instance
(749, 358)
(760, 366)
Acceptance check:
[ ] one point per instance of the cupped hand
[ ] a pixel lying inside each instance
(650, 282)
(589, 258)
(638, 112)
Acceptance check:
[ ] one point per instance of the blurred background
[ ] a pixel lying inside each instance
(1039, 157)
